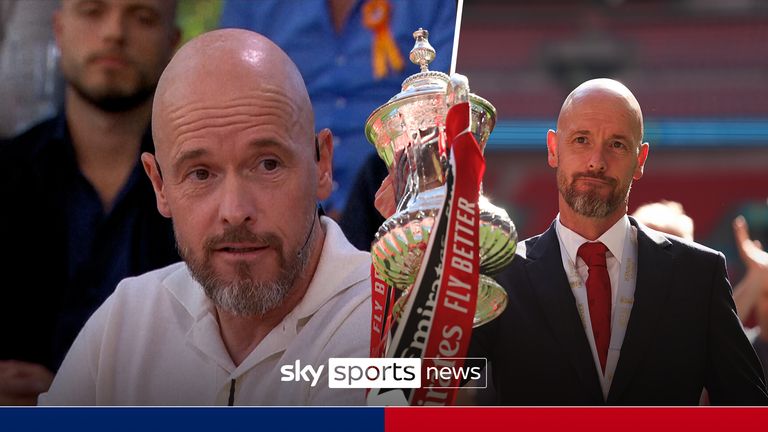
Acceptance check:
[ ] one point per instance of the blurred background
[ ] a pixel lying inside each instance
(699, 69)
(31, 87)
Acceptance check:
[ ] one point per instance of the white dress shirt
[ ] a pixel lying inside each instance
(613, 239)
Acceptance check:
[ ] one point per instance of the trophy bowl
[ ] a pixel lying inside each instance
(489, 303)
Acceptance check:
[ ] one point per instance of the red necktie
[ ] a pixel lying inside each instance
(598, 296)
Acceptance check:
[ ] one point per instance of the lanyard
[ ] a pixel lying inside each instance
(620, 311)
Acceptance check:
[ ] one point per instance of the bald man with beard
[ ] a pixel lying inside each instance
(603, 310)
(265, 282)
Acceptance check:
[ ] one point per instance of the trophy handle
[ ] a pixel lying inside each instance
(458, 90)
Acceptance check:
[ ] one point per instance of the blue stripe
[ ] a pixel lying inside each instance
(668, 133)
(191, 419)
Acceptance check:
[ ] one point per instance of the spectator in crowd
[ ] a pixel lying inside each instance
(81, 213)
(751, 294)
(667, 217)
(756, 260)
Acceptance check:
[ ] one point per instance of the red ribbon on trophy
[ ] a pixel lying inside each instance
(436, 324)
(382, 298)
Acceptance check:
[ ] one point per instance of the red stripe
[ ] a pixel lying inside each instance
(464, 419)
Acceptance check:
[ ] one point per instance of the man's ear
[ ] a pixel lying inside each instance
(552, 148)
(324, 151)
(152, 168)
(642, 156)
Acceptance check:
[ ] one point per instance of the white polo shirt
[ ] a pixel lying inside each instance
(156, 341)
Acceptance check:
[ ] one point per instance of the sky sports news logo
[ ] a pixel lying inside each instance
(389, 372)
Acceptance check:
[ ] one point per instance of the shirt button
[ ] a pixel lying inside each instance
(336, 141)
(341, 60)
(341, 102)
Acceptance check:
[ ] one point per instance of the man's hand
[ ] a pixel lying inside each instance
(751, 251)
(756, 260)
(385, 197)
(22, 382)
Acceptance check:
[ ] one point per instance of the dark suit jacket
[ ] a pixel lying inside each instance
(683, 334)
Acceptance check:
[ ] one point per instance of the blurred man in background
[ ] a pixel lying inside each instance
(751, 294)
(80, 212)
(667, 217)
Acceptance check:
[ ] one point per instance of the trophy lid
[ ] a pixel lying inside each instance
(426, 81)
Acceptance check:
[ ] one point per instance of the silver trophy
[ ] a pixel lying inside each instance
(409, 135)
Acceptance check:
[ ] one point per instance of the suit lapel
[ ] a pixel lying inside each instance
(654, 264)
(549, 281)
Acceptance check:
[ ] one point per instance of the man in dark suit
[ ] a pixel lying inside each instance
(603, 310)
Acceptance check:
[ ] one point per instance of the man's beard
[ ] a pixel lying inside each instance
(590, 203)
(109, 97)
(244, 296)
(114, 100)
